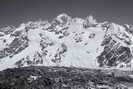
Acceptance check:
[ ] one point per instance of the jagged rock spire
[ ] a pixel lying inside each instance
(91, 19)
(63, 18)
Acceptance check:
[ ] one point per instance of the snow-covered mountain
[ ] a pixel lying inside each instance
(67, 41)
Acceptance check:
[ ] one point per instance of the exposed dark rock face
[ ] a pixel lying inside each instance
(17, 45)
(7, 30)
(117, 51)
(63, 78)
(114, 54)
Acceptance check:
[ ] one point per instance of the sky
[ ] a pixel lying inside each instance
(15, 12)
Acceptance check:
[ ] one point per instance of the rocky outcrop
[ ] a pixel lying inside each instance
(64, 78)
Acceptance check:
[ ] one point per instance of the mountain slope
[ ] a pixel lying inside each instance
(67, 42)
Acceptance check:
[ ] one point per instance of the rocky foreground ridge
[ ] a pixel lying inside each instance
(64, 78)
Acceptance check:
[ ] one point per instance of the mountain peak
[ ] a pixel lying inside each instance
(91, 19)
(67, 42)
(63, 15)
(63, 18)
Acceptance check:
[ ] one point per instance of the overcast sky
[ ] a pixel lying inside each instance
(14, 12)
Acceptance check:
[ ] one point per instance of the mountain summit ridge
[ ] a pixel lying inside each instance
(67, 41)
